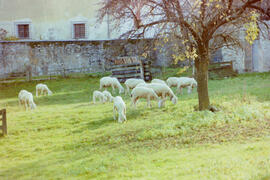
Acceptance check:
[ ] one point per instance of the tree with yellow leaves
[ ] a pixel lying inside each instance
(197, 27)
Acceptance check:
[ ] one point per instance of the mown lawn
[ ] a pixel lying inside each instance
(67, 137)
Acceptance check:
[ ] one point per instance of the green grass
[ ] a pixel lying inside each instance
(67, 137)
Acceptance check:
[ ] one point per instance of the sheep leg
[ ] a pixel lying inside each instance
(127, 91)
(181, 90)
(189, 89)
(124, 115)
(24, 105)
(113, 89)
(133, 102)
(37, 92)
(100, 87)
(94, 99)
(120, 117)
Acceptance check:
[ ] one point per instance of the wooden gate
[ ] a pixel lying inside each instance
(4, 121)
(131, 67)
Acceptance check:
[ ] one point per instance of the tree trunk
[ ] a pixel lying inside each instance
(202, 80)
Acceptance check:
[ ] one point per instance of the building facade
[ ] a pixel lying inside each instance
(53, 20)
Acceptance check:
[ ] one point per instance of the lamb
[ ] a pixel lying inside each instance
(143, 92)
(108, 95)
(161, 90)
(158, 81)
(172, 81)
(186, 82)
(111, 82)
(26, 99)
(132, 83)
(42, 89)
(120, 106)
(100, 95)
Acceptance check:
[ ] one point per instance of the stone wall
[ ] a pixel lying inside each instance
(54, 57)
(47, 57)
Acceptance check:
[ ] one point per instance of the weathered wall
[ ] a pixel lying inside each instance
(252, 58)
(261, 51)
(52, 19)
(47, 57)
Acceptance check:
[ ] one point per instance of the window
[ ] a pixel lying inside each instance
(79, 31)
(23, 31)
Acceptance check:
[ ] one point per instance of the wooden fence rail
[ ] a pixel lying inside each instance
(4, 121)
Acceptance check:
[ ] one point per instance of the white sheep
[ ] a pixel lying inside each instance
(144, 92)
(26, 99)
(158, 81)
(161, 90)
(132, 83)
(108, 95)
(113, 82)
(42, 89)
(186, 82)
(97, 94)
(172, 81)
(119, 106)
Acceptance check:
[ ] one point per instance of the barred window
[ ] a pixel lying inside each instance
(23, 31)
(79, 31)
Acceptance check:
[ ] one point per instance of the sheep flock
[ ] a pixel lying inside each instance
(158, 90)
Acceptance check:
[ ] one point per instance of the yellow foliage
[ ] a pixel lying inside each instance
(252, 29)
(177, 58)
(181, 70)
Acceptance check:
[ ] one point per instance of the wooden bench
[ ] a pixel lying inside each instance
(16, 75)
(221, 65)
(130, 67)
(4, 121)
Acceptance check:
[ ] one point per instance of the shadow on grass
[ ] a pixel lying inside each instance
(93, 125)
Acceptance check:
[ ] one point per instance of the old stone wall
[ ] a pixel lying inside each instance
(51, 57)
(58, 57)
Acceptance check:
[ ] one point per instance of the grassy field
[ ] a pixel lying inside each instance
(67, 137)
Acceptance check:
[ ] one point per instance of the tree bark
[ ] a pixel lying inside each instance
(202, 80)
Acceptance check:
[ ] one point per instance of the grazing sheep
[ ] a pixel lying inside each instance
(119, 106)
(111, 82)
(158, 81)
(26, 99)
(100, 95)
(143, 92)
(108, 95)
(42, 89)
(132, 83)
(161, 90)
(186, 82)
(172, 81)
